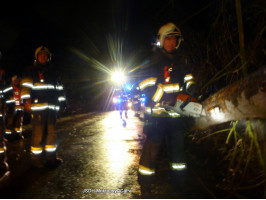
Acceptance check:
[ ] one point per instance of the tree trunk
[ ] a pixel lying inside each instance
(244, 99)
(241, 35)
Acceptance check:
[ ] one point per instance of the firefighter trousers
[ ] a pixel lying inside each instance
(160, 129)
(43, 129)
(14, 119)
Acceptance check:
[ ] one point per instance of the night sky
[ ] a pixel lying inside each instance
(78, 32)
(84, 26)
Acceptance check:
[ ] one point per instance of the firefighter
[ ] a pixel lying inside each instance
(123, 104)
(169, 76)
(136, 100)
(15, 110)
(4, 168)
(43, 93)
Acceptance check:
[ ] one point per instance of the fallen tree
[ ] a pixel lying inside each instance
(244, 99)
(232, 138)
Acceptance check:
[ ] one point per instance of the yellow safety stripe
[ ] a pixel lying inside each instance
(18, 130)
(188, 77)
(145, 170)
(178, 166)
(147, 83)
(43, 106)
(26, 82)
(171, 88)
(25, 93)
(10, 101)
(7, 89)
(158, 94)
(36, 150)
(61, 98)
(8, 131)
(189, 80)
(59, 87)
(50, 148)
(2, 150)
(189, 83)
(160, 112)
(42, 86)
(167, 88)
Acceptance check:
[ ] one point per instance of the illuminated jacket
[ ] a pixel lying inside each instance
(168, 76)
(13, 96)
(42, 85)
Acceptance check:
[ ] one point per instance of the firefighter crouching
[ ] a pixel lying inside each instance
(169, 77)
(4, 168)
(43, 93)
(15, 110)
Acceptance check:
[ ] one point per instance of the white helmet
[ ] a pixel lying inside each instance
(43, 49)
(169, 29)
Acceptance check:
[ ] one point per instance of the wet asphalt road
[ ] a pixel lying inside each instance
(100, 158)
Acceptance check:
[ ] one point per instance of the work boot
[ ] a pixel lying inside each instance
(52, 160)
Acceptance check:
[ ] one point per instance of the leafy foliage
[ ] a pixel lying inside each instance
(234, 155)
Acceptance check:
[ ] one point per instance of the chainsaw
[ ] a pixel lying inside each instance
(187, 106)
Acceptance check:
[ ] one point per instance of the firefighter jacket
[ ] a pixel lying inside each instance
(168, 76)
(42, 85)
(13, 96)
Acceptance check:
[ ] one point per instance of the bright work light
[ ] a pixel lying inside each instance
(118, 77)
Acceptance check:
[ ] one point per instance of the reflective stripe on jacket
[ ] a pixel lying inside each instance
(43, 86)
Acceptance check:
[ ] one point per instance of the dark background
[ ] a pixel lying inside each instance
(89, 38)
(86, 26)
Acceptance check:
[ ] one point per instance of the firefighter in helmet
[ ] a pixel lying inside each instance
(169, 76)
(43, 94)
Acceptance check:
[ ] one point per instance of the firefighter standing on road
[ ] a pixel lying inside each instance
(123, 105)
(43, 93)
(169, 76)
